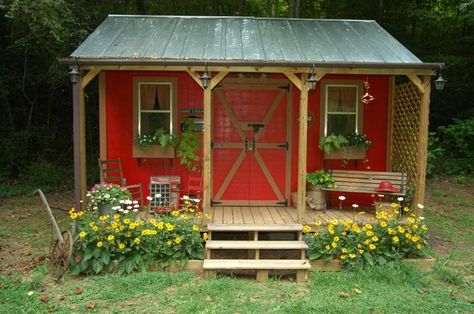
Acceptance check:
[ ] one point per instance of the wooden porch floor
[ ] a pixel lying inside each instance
(280, 215)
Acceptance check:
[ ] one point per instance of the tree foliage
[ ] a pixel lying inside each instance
(35, 94)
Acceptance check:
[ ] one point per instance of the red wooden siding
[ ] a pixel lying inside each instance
(120, 135)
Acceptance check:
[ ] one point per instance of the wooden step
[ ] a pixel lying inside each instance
(255, 245)
(261, 264)
(255, 227)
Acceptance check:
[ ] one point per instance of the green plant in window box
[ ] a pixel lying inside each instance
(160, 137)
(321, 178)
(352, 146)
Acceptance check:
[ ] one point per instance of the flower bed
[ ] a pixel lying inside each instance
(125, 242)
(356, 245)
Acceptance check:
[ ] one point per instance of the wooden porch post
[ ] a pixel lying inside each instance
(207, 150)
(302, 147)
(78, 103)
(423, 142)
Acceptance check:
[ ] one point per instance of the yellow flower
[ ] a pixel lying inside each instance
(126, 221)
(205, 236)
(114, 225)
(207, 216)
(104, 217)
(375, 239)
(411, 220)
(390, 231)
(121, 227)
(415, 238)
(361, 252)
(137, 241)
(177, 240)
(117, 216)
(121, 246)
(331, 231)
(401, 229)
(424, 228)
(72, 210)
(183, 216)
(82, 234)
(91, 224)
(361, 213)
(328, 247)
(132, 225)
(195, 228)
(419, 246)
(335, 222)
(344, 250)
(73, 216)
(95, 228)
(334, 245)
(170, 227)
(383, 224)
(352, 255)
(117, 230)
(100, 244)
(336, 239)
(370, 233)
(170, 243)
(372, 247)
(306, 228)
(367, 241)
(160, 225)
(359, 246)
(406, 209)
(408, 235)
(175, 213)
(316, 234)
(318, 223)
(110, 238)
(394, 205)
(343, 257)
(395, 240)
(368, 226)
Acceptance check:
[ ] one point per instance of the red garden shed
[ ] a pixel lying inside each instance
(276, 87)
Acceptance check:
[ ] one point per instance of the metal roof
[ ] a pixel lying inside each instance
(244, 40)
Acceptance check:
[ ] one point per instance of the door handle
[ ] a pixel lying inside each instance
(246, 144)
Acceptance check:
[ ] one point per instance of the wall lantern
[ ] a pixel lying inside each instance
(312, 80)
(74, 74)
(205, 78)
(440, 82)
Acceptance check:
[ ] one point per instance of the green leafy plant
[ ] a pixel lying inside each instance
(332, 143)
(358, 140)
(321, 178)
(367, 244)
(189, 146)
(160, 137)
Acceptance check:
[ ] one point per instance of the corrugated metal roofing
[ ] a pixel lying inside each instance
(245, 39)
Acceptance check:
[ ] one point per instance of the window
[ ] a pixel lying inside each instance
(340, 107)
(155, 106)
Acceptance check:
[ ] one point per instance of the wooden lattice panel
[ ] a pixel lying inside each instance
(406, 131)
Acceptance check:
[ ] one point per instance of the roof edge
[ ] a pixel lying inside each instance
(167, 62)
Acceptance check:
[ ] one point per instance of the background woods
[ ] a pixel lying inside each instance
(35, 93)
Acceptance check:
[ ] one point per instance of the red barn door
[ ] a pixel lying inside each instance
(250, 140)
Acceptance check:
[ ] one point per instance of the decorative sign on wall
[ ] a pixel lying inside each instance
(367, 98)
(310, 118)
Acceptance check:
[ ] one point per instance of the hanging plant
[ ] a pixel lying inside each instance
(189, 145)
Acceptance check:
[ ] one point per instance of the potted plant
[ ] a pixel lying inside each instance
(189, 145)
(317, 181)
(353, 146)
(105, 196)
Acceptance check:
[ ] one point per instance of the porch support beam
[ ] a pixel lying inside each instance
(79, 132)
(294, 79)
(267, 69)
(207, 158)
(302, 148)
(419, 83)
(423, 142)
(195, 77)
(86, 79)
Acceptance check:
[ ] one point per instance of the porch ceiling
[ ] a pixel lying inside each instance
(188, 40)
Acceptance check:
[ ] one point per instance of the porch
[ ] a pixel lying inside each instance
(269, 215)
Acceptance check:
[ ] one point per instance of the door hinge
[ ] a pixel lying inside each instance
(213, 202)
(286, 146)
(285, 87)
(285, 202)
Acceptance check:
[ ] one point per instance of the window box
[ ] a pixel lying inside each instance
(347, 153)
(155, 151)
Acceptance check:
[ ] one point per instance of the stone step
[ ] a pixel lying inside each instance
(255, 227)
(254, 245)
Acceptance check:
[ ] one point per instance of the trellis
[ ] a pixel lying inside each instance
(406, 131)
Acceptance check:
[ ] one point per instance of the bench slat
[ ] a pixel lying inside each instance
(253, 245)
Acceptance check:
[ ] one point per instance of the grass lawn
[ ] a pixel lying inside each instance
(25, 284)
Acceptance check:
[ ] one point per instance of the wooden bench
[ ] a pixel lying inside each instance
(356, 181)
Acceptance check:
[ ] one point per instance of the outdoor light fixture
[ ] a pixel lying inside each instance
(74, 74)
(205, 78)
(440, 82)
(312, 80)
